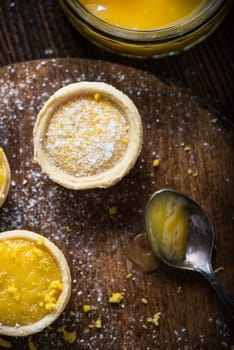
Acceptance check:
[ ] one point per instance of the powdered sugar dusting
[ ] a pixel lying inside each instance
(84, 136)
(79, 222)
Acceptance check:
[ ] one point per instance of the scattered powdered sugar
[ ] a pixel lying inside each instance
(79, 222)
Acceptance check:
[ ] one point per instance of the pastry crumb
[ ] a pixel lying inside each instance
(213, 121)
(179, 290)
(144, 301)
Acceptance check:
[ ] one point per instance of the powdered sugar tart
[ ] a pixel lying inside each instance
(87, 135)
(35, 282)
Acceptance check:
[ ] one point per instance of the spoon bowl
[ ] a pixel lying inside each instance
(198, 246)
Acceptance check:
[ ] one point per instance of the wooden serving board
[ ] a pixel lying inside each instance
(79, 222)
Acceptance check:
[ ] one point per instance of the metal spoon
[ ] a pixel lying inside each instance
(199, 244)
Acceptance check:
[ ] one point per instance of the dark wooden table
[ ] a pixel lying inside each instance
(38, 29)
(32, 30)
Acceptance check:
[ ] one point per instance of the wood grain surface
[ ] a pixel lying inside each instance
(39, 29)
(79, 222)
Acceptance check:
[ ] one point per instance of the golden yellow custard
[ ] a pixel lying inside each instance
(167, 222)
(5, 177)
(144, 15)
(87, 135)
(34, 282)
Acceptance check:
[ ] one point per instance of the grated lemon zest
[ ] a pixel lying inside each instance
(113, 210)
(116, 298)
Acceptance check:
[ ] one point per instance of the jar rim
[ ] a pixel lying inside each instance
(189, 25)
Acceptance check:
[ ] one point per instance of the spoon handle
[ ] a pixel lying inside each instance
(209, 274)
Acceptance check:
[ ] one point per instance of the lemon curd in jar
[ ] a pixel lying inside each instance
(144, 15)
(150, 28)
(30, 282)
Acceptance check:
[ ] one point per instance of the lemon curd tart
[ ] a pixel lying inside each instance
(87, 135)
(35, 283)
(5, 177)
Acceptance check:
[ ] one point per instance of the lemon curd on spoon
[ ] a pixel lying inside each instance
(34, 286)
(167, 220)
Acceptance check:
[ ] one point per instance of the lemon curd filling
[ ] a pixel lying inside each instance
(145, 15)
(86, 135)
(168, 224)
(30, 282)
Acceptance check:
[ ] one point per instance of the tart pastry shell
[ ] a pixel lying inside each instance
(104, 178)
(66, 282)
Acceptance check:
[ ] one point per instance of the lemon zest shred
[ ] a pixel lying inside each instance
(40, 241)
(219, 269)
(31, 345)
(13, 290)
(98, 323)
(113, 210)
(69, 337)
(97, 96)
(87, 308)
(124, 140)
(155, 319)
(116, 298)
(213, 121)
(156, 163)
(5, 343)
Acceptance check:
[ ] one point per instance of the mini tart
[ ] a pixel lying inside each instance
(5, 177)
(35, 283)
(87, 135)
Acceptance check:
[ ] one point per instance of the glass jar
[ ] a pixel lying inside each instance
(146, 43)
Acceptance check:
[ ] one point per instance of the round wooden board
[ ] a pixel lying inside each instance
(93, 240)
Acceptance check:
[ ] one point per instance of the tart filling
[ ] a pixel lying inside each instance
(35, 282)
(5, 177)
(87, 135)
